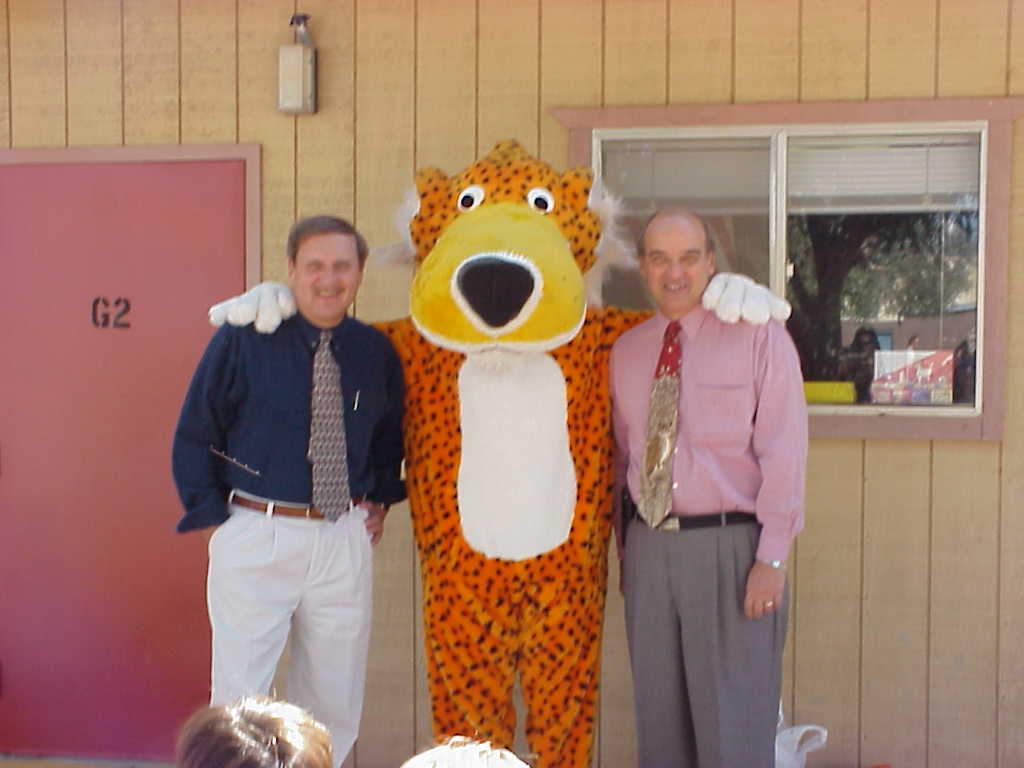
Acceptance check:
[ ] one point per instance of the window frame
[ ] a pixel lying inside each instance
(991, 118)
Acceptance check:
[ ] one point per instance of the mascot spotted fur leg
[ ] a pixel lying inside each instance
(508, 443)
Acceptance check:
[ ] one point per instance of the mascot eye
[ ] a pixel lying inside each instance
(470, 198)
(540, 199)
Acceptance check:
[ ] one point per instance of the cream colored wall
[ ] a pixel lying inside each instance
(908, 582)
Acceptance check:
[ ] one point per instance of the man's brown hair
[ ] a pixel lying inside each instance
(254, 732)
(323, 225)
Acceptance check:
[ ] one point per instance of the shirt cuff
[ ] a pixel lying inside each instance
(774, 545)
(211, 512)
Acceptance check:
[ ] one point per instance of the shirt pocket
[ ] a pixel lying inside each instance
(720, 414)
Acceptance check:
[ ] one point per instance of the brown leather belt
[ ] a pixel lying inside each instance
(273, 508)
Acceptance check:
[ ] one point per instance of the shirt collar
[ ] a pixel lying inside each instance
(311, 334)
(690, 323)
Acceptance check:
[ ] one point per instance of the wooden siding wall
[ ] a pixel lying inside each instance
(908, 607)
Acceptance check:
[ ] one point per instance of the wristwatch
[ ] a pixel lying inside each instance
(778, 565)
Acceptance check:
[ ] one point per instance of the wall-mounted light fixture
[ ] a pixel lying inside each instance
(296, 74)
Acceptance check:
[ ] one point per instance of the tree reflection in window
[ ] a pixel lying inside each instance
(856, 279)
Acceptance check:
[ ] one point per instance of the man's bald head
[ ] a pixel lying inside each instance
(681, 213)
(677, 260)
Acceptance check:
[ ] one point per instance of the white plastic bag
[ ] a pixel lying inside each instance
(793, 743)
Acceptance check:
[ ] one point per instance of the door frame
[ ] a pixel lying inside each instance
(249, 154)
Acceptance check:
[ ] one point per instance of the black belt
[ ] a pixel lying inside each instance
(686, 522)
(715, 520)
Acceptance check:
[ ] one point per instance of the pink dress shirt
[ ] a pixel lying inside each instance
(742, 442)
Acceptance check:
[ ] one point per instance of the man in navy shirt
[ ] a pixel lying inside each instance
(243, 462)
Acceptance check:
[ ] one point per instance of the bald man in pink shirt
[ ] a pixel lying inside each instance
(705, 588)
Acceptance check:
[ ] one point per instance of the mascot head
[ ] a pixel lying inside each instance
(502, 248)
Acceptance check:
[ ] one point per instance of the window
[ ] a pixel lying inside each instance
(883, 224)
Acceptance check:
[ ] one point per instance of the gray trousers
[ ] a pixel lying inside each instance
(706, 679)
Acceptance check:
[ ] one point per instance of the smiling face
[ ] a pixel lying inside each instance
(676, 262)
(324, 277)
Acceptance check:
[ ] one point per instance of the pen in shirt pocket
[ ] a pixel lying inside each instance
(355, 405)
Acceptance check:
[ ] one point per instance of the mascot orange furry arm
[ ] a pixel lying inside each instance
(508, 448)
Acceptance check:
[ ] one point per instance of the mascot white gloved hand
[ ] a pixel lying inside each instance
(735, 297)
(264, 305)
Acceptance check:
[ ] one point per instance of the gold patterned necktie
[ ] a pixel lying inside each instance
(655, 502)
(327, 446)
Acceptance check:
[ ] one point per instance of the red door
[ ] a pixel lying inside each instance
(108, 269)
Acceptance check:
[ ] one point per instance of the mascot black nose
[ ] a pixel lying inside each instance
(495, 288)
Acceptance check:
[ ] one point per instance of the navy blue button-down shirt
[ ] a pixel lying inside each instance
(245, 420)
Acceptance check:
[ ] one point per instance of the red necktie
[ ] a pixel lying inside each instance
(655, 502)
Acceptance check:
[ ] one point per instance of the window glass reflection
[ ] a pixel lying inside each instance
(882, 250)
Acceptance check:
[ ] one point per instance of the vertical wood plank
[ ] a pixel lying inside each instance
(508, 79)
(384, 142)
(617, 742)
(964, 604)
(325, 142)
(787, 694)
(972, 47)
(262, 28)
(700, 55)
(635, 52)
(902, 45)
(446, 109)
(38, 107)
(571, 55)
(1011, 594)
(385, 138)
(833, 49)
(151, 92)
(767, 50)
(446, 76)
(95, 114)
(1015, 29)
(827, 630)
(894, 673)
(209, 71)
(423, 724)
(1011, 538)
(5, 79)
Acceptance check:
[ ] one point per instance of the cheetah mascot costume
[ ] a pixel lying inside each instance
(508, 441)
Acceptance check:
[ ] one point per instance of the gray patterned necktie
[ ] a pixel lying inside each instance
(327, 447)
(662, 427)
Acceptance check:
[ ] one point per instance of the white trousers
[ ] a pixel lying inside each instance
(268, 575)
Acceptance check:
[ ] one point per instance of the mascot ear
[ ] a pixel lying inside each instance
(613, 249)
(435, 209)
(575, 218)
(430, 181)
